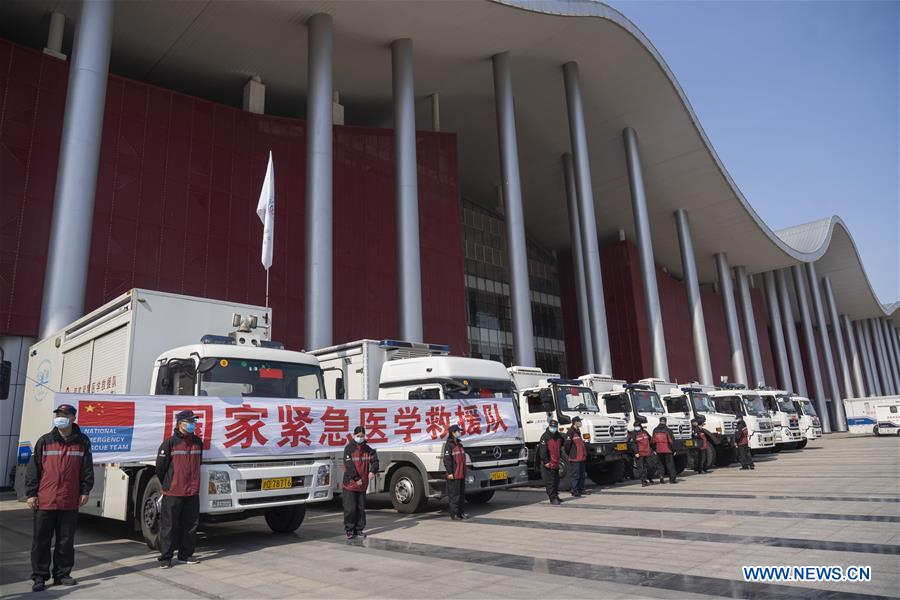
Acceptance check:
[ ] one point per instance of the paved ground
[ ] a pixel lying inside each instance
(835, 503)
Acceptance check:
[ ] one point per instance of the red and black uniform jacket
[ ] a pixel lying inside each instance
(704, 441)
(641, 443)
(549, 450)
(742, 435)
(178, 464)
(574, 446)
(359, 461)
(664, 440)
(60, 470)
(455, 459)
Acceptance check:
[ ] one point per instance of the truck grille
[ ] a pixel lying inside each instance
(683, 432)
(492, 453)
(728, 427)
(616, 432)
(267, 499)
(621, 433)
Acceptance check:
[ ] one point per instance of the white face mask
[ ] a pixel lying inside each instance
(359, 439)
(61, 422)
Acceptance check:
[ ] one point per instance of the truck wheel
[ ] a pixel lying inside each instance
(606, 473)
(285, 519)
(480, 497)
(407, 490)
(565, 476)
(801, 445)
(681, 461)
(150, 513)
(875, 430)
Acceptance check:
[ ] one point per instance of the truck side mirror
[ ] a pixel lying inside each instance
(339, 390)
(164, 379)
(546, 397)
(5, 377)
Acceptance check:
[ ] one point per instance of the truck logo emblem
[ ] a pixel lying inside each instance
(612, 431)
(41, 379)
(497, 452)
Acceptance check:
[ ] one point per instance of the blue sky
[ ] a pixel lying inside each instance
(801, 101)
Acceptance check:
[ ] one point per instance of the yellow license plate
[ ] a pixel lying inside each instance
(622, 447)
(689, 443)
(499, 475)
(278, 483)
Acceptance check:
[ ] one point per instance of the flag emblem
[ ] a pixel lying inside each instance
(109, 425)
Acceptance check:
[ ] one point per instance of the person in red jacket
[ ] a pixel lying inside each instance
(58, 480)
(577, 452)
(360, 466)
(742, 437)
(550, 457)
(178, 469)
(641, 444)
(455, 469)
(665, 448)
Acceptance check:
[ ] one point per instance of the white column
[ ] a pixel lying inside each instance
(584, 321)
(790, 331)
(255, 96)
(743, 285)
(827, 357)
(781, 357)
(855, 357)
(692, 286)
(865, 343)
(731, 321)
(812, 352)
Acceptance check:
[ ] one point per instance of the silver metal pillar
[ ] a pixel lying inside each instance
(790, 331)
(743, 288)
(881, 357)
(738, 368)
(645, 254)
(587, 219)
(827, 356)
(55, 35)
(812, 352)
(781, 357)
(435, 112)
(584, 321)
(831, 306)
(76, 178)
(519, 292)
(406, 191)
(855, 357)
(865, 343)
(891, 353)
(319, 207)
(692, 286)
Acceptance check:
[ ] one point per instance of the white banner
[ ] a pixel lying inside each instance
(131, 428)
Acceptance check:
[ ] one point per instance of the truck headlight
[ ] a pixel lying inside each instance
(219, 482)
(323, 476)
(470, 479)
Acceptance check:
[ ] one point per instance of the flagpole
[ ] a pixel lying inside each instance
(268, 316)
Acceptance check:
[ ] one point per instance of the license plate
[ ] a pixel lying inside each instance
(499, 475)
(278, 483)
(622, 447)
(688, 443)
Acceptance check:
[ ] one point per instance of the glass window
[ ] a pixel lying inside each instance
(534, 405)
(753, 404)
(678, 404)
(702, 403)
(570, 398)
(236, 377)
(646, 401)
(616, 403)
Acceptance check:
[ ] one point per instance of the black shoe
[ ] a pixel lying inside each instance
(351, 535)
(645, 483)
(191, 560)
(662, 480)
(165, 564)
(455, 518)
(38, 586)
(745, 468)
(555, 501)
(64, 580)
(463, 516)
(361, 534)
(673, 481)
(576, 495)
(752, 467)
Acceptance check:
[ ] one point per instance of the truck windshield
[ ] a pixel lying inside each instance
(616, 404)
(646, 401)
(479, 388)
(236, 377)
(754, 405)
(807, 407)
(728, 404)
(786, 405)
(570, 398)
(677, 404)
(702, 403)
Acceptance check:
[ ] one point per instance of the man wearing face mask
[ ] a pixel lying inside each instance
(577, 452)
(641, 444)
(58, 480)
(178, 469)
(665, 447)
(360, 466)
(549, 455)
(455, 468)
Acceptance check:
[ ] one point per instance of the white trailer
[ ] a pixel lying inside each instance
(879, 415)
(785, 419)
(544, 396)
(737, 400)
(694, 401)
(147, 342)
(398, 370)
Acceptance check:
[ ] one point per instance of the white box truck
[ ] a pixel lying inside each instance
(629, 400)
(693, 401)
(785, 419)
(810, 425)
(734, 398)
(879, 415)
(544, 396)
(147, 342)
(398, 370)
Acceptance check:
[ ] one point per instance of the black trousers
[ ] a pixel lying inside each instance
(48, 524)
(666, 465)
(456, 493)
(354, 510)
(551, 481)
(745, 456)
(700, 460)
(578, 470)
(178, 521)
(644, 468)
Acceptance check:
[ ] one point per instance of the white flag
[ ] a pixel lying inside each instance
(266, 211)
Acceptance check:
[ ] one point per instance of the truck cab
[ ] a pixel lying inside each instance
(400, 370)
(735, 399)
(810, 426)
(544, 396)
(693, 401)
(629, 400)
(785, 419)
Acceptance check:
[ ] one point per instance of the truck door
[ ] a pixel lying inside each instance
(535, 417)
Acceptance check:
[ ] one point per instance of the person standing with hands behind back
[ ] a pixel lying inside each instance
(455, 467)
(178, 469)
(58, 479)
(360, 466)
